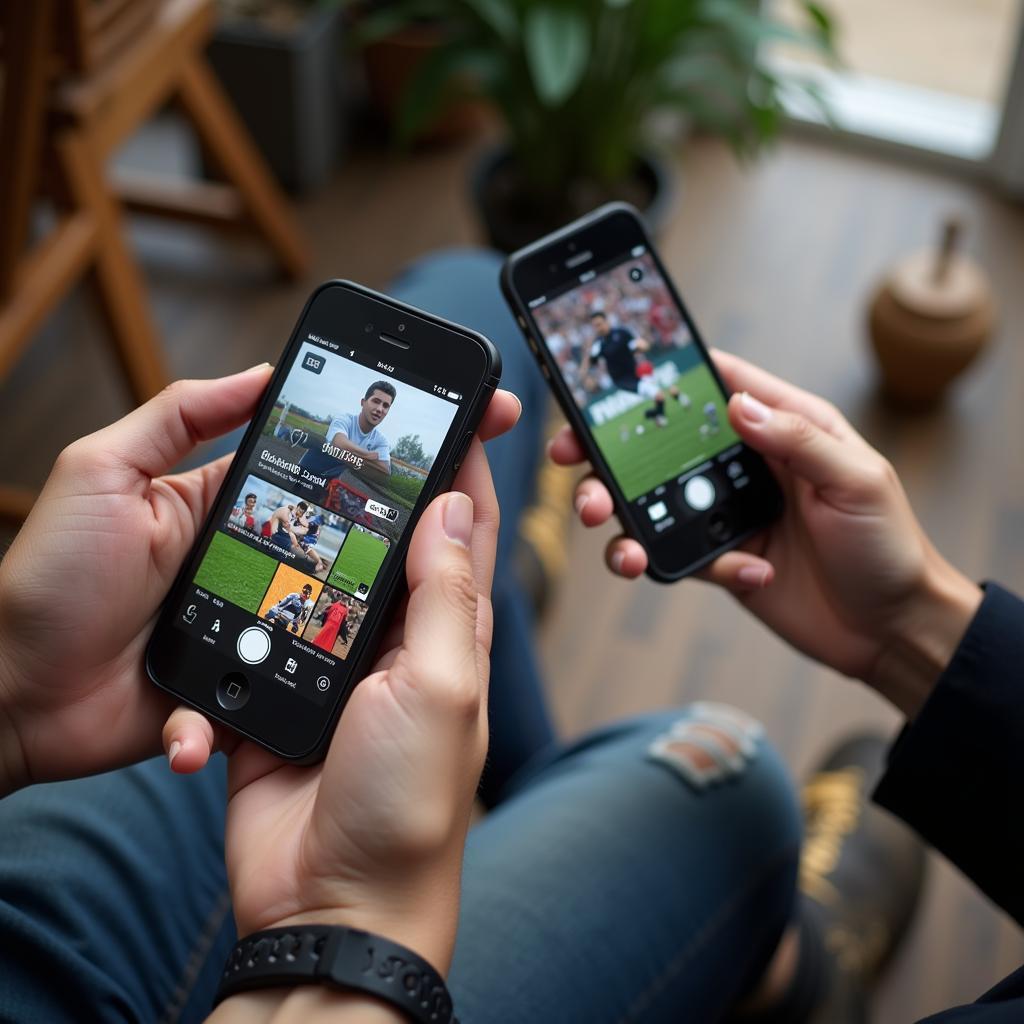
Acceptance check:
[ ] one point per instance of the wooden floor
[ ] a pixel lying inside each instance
(776, 263)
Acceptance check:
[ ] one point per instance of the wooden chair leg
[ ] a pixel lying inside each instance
(115, 273)
(227, 140)
(15, 504)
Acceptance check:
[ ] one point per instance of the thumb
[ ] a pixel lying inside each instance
(439, 658)
(826, 462)
(154, 438)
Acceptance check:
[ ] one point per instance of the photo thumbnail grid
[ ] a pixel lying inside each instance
(274, 553)
(628, 357)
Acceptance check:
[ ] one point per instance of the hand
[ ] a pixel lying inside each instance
(82, 582)
(373, 837)
(847, 575)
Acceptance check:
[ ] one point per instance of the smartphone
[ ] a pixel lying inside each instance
(634, 379)
(276, 614)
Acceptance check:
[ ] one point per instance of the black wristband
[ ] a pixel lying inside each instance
(342, 958)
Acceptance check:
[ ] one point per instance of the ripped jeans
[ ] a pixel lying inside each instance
(643, 873)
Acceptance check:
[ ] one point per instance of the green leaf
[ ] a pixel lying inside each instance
(498, 15)
(386, 21)
(436, 82)
(557, 42)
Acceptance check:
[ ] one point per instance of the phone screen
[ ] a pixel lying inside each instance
(655, 409)
(289, 575)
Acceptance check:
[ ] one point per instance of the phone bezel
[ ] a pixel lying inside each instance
(608, 233)
(284, 722)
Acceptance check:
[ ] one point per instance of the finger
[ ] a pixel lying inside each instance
(197, 487)
(154, 438)
(739, 375)
(593, 503)
(439, 659)
(801, 446)
(739, 572)
(474, 480)
(189, 739)
(565, 449)
(626, 558)
(502, 415)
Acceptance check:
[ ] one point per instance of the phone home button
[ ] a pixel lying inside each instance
(233, 691)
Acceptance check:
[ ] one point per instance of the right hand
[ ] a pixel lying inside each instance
(846, 575)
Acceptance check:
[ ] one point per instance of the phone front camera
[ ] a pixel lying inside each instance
(401, 327)
(368, 328)
(636, 274)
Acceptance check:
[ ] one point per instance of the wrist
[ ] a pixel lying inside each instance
(416, 909)
(305, 1004)
(925, 637)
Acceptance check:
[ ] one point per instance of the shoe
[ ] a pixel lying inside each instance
(861, 875)
(861, 872)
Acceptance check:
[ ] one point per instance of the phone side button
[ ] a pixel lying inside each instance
(463, 448)
(233, 691)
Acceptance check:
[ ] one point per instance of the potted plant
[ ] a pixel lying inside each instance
(278, 60)
(578, 84)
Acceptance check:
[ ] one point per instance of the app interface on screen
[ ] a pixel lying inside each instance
(286, 580)
(655, 409)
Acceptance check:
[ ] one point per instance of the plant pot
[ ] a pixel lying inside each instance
(510, 221)
(391, 65)
(287, 87)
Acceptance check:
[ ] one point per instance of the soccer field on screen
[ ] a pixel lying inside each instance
(360, 559)
(234, 571)
(643, 461)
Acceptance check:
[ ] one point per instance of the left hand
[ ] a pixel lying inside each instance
(84, 578)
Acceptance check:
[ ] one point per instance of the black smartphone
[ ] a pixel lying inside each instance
(276, 614)
(635, 381)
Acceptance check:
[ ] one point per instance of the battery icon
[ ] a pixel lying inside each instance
(454, 396)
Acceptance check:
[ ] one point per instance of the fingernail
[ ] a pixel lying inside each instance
(753, 410)
(173, 752)
(518, 402)
(258, 366)
(458, 518)
(581, 502)
(618, 559)
(752, 576)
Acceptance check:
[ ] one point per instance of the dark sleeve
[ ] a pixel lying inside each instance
(956, 773)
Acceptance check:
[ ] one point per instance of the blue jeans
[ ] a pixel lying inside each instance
(602, 886)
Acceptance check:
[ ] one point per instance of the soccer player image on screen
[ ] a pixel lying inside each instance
(306, 529)
(622, 352)
(292, 610)
(359, 434)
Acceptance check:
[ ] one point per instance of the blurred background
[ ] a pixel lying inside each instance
(176, 175)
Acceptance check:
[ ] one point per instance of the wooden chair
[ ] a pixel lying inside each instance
(79, 76)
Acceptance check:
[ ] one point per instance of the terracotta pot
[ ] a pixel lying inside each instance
(391, 64)
(928, 321)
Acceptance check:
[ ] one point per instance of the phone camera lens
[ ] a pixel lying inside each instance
(368, 328)
(401, 327)
(636, 274)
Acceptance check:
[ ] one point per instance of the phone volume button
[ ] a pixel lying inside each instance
(463, 448)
